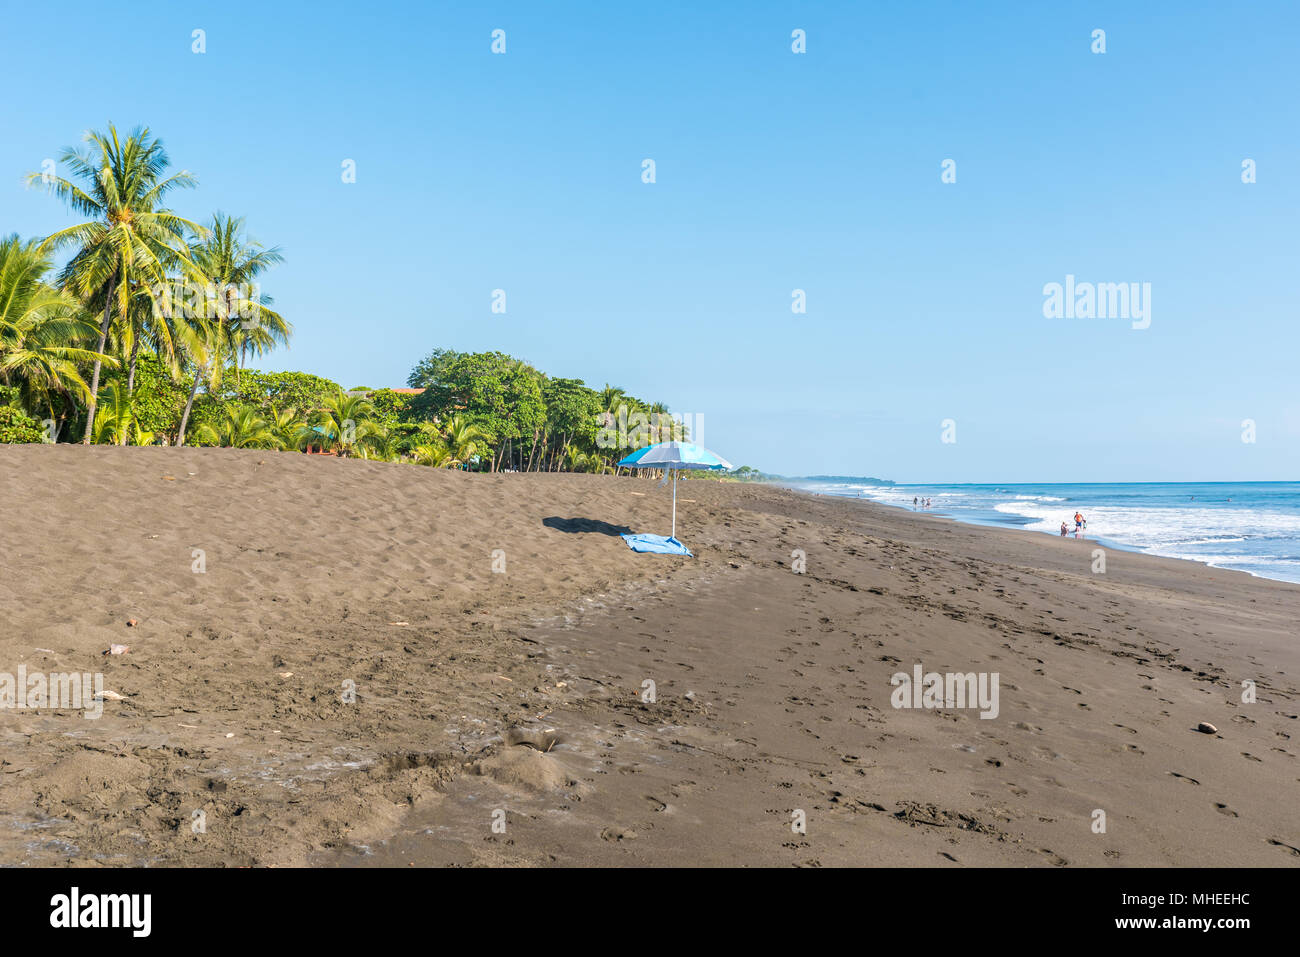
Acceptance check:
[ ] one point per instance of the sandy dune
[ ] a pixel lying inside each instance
(521, 693)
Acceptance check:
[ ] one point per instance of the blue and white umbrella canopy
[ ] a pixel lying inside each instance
(673, 456)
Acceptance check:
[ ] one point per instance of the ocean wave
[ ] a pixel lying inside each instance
(1254, 560)
(1200, 541)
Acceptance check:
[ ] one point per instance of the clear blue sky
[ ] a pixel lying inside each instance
(775, 171)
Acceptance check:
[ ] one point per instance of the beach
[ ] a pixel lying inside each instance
(342, 662)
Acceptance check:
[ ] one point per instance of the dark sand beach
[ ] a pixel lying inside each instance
(478, 692)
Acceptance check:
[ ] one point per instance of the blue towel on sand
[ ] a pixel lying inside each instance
(659, 544)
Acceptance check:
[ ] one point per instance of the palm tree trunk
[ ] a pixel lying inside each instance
(130, 376)
(94, 379)
(532, 451)
(189, 403)
(69, 403)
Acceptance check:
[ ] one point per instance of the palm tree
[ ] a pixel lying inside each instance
(380, 445)
(41, 330)
(114, 417)
(131, 241)
(610, 397)
(343, 422)
(287, 426)
(463, 438)
(208, 339)
(435, 454)
(242, 428)
(232, 262)
(156, 323)
(234, 319)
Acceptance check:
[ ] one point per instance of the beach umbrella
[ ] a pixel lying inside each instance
(675, 456)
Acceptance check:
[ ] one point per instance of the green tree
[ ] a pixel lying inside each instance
(114, 420)
(435, 454)
(428, 371)
(243, 428)
(299, 390)
(16, 427)
(464, 438)
(42, 330)
(571, 412)
(289, 428)
(232, 318)
(380, 445)
(343, 422)
(157, 397)
(131, 241)
(499, 394)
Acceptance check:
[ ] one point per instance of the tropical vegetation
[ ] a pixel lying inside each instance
(136, 326)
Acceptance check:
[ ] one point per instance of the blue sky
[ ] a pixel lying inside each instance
(775, 171)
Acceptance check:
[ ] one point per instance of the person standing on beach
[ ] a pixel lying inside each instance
(1063, 529)
(1078, 521)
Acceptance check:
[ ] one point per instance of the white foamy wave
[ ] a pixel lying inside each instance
(1039, 498)
(890, 496)
(1143, 526)
(1223, 561)
(1197, 541)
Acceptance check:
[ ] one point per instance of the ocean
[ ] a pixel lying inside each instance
(1248, 526)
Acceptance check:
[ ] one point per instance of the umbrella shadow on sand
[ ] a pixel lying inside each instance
(585, 526)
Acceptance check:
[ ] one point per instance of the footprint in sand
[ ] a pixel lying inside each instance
(1250, 757)
(1225, 810)
(616, 835)
(1184, 777)
(1276, 843)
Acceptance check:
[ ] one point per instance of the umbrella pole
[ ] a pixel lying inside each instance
(674, 503)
